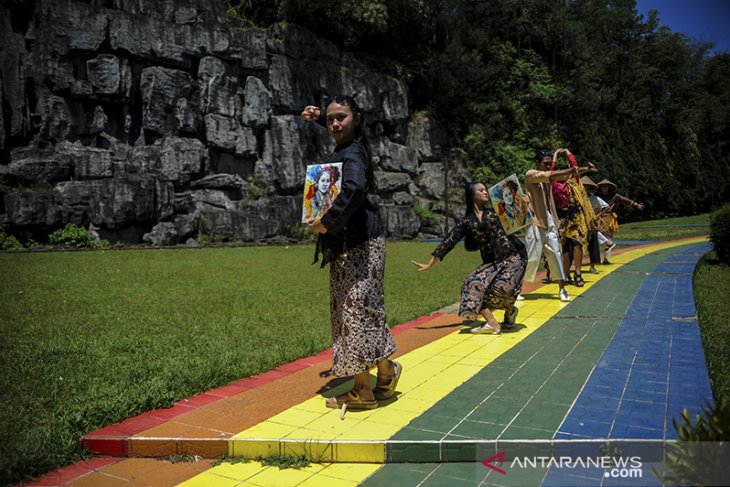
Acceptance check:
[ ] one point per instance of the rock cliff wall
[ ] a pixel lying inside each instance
(156, 121)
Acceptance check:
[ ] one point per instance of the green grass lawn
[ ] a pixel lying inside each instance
(711, 285)
(669, 229)
(91, 338)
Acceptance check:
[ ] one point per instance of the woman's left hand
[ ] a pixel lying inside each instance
(316, 225)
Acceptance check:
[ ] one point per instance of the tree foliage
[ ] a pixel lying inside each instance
(649, 106)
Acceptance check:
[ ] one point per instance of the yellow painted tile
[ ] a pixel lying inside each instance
(362, 452)
(393, 416)
(207, 479)
(322, 480)
(415, 357)
(366, 430)
(444, 358)
(254, 448)
(413, 378)
(318, 450)
(330, 424)
(275, 477)
(312, 405)
(266, 429)
(349, 471)
(410, 403)
(238, 471)
(461, 369)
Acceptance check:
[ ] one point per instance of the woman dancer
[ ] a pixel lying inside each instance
(496, 283)
(351, 240)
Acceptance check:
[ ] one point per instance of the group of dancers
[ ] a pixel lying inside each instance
(565, 220)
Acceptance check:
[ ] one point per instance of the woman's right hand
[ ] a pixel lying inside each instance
(424, 267)
(311, 113)
(421, 267)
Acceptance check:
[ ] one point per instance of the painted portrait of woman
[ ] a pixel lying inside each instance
(510, 205)
(321, 187)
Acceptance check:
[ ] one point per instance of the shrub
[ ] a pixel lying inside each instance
(720, 233)
(75, 236)
(8, 242)
(426, 216)
(700, 455)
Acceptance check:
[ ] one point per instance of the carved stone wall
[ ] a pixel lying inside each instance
(156, 121)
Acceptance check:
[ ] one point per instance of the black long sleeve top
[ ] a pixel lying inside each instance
(494, 244)
(352, 219)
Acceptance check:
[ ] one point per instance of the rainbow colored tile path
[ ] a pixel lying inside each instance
(610, 369)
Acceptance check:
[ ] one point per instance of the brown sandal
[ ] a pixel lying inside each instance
(386, 390)
(579, 282)
(350, 400)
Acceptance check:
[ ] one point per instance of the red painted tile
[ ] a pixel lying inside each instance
(172, 412)
(292, 367)
(198, 401)
(72, 472)
(309, 361)
(139, 423)
(113, 447)
(67, 474)
(325, 355)
(113, 430)
(273, 375)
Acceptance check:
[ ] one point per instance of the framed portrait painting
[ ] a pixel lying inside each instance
(322, 184)
(510, 204)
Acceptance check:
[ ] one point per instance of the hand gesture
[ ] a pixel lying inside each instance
(311, 113)
(421, 267)
(592, 167)
(316, 225)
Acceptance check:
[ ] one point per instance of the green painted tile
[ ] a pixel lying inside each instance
(412, 451)
(456, 474)
(522, 449)
(459, 452)
(415, 434)
(541, 415)
(516, 477)
(476, 430)
(525, 433)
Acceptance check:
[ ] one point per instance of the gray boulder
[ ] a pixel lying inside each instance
(162, 234)
(161, 89)
(388, 182)
(290, 145)
(114, 203)
(400, 221)
(171, 159)
(430, 179)
(228, 134)
(32, 208)
(257, 108)
(395, 157)
(218, 91)
(424, 134)
(30, 164)
(248, 46)
(109, 75)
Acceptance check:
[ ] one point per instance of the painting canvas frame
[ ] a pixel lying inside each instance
(514, 215)
(322, 184)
